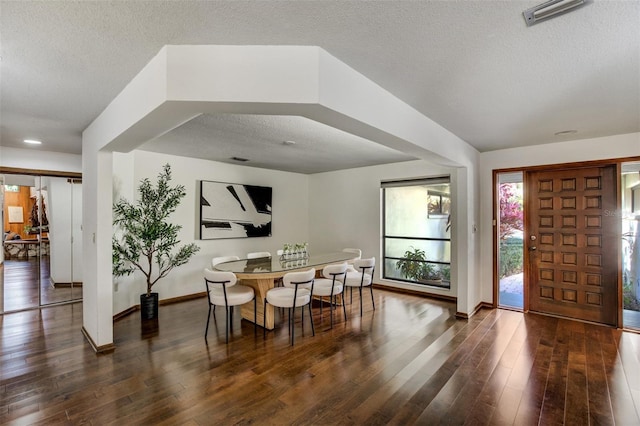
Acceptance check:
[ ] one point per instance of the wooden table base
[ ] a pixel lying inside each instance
(260, 286)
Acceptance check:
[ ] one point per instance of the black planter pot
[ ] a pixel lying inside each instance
(149, 306)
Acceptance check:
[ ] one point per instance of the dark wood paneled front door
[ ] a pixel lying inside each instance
(572, 243)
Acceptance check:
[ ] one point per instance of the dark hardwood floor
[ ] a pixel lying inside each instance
(20, 279)
(408, 362)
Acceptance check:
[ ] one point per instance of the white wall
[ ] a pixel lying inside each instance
(329, 210)
(125, 293)
(40, 160)
(76, 231)
(183, 81)
(345, 211)
(290, 221)
(619, 146)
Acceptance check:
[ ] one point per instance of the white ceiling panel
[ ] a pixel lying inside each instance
(474, 67)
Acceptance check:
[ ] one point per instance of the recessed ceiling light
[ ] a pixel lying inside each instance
(288, 143)
(565, 132)
(32, 141)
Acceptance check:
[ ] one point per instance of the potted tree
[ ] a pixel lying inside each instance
(415, 267)
(147, 241)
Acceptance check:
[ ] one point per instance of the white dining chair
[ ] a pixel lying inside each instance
(258, 254)
(221, 259)
(331, 285)
(362, 278)
(358, 255)
(222, 290)
(297, 291)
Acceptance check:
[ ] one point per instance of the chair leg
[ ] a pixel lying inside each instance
(351, 301)
(331, 310)
(288, 321)
(227, 325)
(293, 329)
(313, 330)
(372, 301)
(344, 307)
(360, 289)
(206, 330)
(321, 306)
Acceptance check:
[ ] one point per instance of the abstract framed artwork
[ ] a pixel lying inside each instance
(233, 210)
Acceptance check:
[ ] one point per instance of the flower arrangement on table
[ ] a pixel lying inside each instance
(295, 251)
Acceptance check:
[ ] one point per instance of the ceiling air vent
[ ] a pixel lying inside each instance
(551, 9)
(240, 159)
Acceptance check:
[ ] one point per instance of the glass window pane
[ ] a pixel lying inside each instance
(417, 241)
(630, 180)
(436, 251)
(511, 244)
(417, 211)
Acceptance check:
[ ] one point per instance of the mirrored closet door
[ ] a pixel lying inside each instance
(42, 241)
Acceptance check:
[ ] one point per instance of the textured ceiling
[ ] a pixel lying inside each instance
(474, 67)
(260, 139)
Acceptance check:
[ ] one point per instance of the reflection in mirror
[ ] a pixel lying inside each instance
(41, 256)
(21, 246)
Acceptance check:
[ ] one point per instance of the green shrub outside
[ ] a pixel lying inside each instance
(511, 250)
(629, 301)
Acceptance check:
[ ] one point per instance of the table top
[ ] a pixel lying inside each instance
(274, 265)
(29, 241)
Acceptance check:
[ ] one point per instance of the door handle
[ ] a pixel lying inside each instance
(532, 248)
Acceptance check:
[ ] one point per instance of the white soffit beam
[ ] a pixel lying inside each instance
(182, 82)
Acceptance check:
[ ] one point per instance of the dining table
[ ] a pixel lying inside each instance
(262, 273)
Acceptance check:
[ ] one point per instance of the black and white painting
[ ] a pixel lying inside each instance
(232, 210)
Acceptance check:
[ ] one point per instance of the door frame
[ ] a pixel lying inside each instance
(526, 267)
